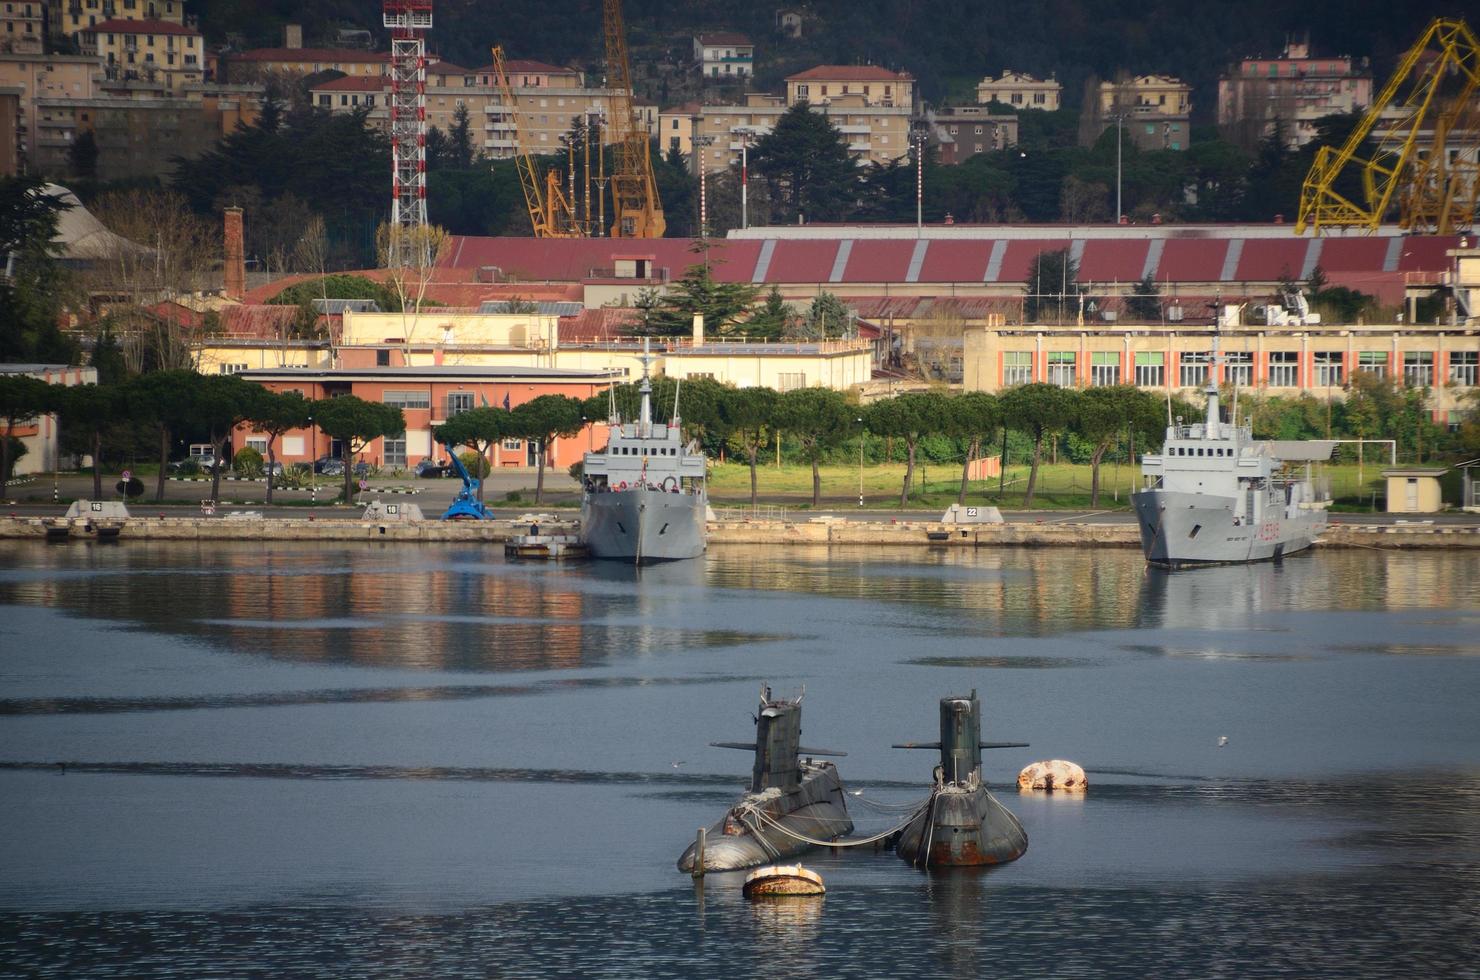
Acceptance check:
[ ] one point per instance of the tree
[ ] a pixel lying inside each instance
(477, 428)
(1145, 301)
(82, 156)
(973, 416)
(818, 418)
(542, 419)
(908, 417)
(221, 403)
(21, 398)
(165, 401)
(1051, 286)
(460, 151)
(1037, 410)
(772, 320)
(274, 414)
(356, 423)
(747, 413)
(33, 291)
(92, 408)
(827, 316)
(1101, 415)
(805, 159)
(721, 303)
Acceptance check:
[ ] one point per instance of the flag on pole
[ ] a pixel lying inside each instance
(506, 401)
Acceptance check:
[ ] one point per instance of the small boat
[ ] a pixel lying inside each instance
(793, 804)
(962, 824)
(782, 879)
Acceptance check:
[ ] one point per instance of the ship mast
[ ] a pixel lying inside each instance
(645, 420)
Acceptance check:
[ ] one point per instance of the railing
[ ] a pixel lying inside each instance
(760, 512)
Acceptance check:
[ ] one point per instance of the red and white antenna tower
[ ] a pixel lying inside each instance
(408, 20)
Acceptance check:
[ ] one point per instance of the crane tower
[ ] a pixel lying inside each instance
(408, 20)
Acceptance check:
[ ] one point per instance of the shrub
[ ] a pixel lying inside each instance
(247, 462)
(476, 465)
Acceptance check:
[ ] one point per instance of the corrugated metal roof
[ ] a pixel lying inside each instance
(543, 307)
(335, 307)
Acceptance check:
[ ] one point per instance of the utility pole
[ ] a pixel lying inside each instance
(1119, 120)
(918, 138)
(744, 178)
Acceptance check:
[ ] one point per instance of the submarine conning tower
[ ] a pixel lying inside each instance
(960, 737)
(778, 742)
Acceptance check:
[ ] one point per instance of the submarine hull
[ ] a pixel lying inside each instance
(760, 828)
(963, 827)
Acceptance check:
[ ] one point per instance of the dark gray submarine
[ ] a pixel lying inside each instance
(793, 803)
(963, 825)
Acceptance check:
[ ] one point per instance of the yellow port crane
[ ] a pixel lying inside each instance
(1415, 123)
(551, 214)
(639, 212)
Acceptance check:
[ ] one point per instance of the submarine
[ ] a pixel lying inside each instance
(793, 803)
(962, 825)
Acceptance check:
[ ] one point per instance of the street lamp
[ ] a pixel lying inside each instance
(859, 420)
(1119, 119)
(918, 139)
(744, 178)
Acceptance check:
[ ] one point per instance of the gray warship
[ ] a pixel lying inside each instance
(791, 802)
(962, 825)
(1215, 495)
(645, 499)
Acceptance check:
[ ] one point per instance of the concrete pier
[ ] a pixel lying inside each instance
(815, 532)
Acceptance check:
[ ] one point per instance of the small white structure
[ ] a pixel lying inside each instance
(382, 512)
(98, 510)
(957, 514)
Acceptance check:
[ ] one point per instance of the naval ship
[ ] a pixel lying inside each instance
(1215, 495)
(792, 803)
(963, 825)
(645, 499)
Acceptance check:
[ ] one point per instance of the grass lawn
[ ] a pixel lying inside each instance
(1060, 486)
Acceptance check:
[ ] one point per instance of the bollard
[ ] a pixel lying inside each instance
(699, 854)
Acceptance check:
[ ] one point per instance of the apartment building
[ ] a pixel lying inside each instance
(550, 100)
(1021, 91)
(147, 50)
(1153, 111)
(962, 132)
(870, 85)
(1295, 88)
(22, 26)
(249, 66)
(35, 76)
(68, 18)
(722, 55)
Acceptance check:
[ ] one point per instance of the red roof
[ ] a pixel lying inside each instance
(447, 68)
(309, 54)
(355, 83)
(850, 73)
(180, 316)
(878, 261)
(257, 322)
(120, 26)
(529, 68)
(601, 324)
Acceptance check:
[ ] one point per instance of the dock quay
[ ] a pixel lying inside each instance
(820, 531)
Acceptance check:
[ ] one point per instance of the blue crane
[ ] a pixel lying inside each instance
(465, 506)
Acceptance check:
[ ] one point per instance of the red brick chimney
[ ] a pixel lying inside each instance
(236, 261)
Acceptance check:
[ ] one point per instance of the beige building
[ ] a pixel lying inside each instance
(724, 55)
(868, 85)
(22, 26)
(1294, 88)
(1278, 360)
(1021, 91)
(147, 50)
(550, 100)
(67, 18)
(53, 76)
(1147, 95)
(248, 66)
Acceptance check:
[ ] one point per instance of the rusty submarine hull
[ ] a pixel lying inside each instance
(962, 825)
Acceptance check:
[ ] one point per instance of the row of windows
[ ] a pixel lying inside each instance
(635, 451)
(407, 399)
(1199, 451)
(1284, 368)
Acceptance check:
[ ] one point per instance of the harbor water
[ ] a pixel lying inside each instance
(243, 759)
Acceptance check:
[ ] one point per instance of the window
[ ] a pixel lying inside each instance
(1193, 368)
(1464, 368)
(1239, 368)
(1330, 366)
(258, 443)
(1374, 362)
(1017, 367)
(789, 382)
(1284, 368)
(1150, 369)
(1418, 368)
(231, 368)
(395, 451)
(1104, 367)
(407, 399)
(1061, 368)
(513, 444)
(459, 401)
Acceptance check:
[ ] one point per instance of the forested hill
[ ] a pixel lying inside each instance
(947, 44)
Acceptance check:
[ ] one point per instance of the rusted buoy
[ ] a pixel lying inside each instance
(782, 879)
(1054, 774)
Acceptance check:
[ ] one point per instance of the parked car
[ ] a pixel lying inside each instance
(190, 464)
(323, 461)
(335, 467)
(430, 468)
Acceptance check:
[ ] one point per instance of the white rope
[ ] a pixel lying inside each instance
(852, 842)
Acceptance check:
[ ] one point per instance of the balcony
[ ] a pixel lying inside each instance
(856, 130)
